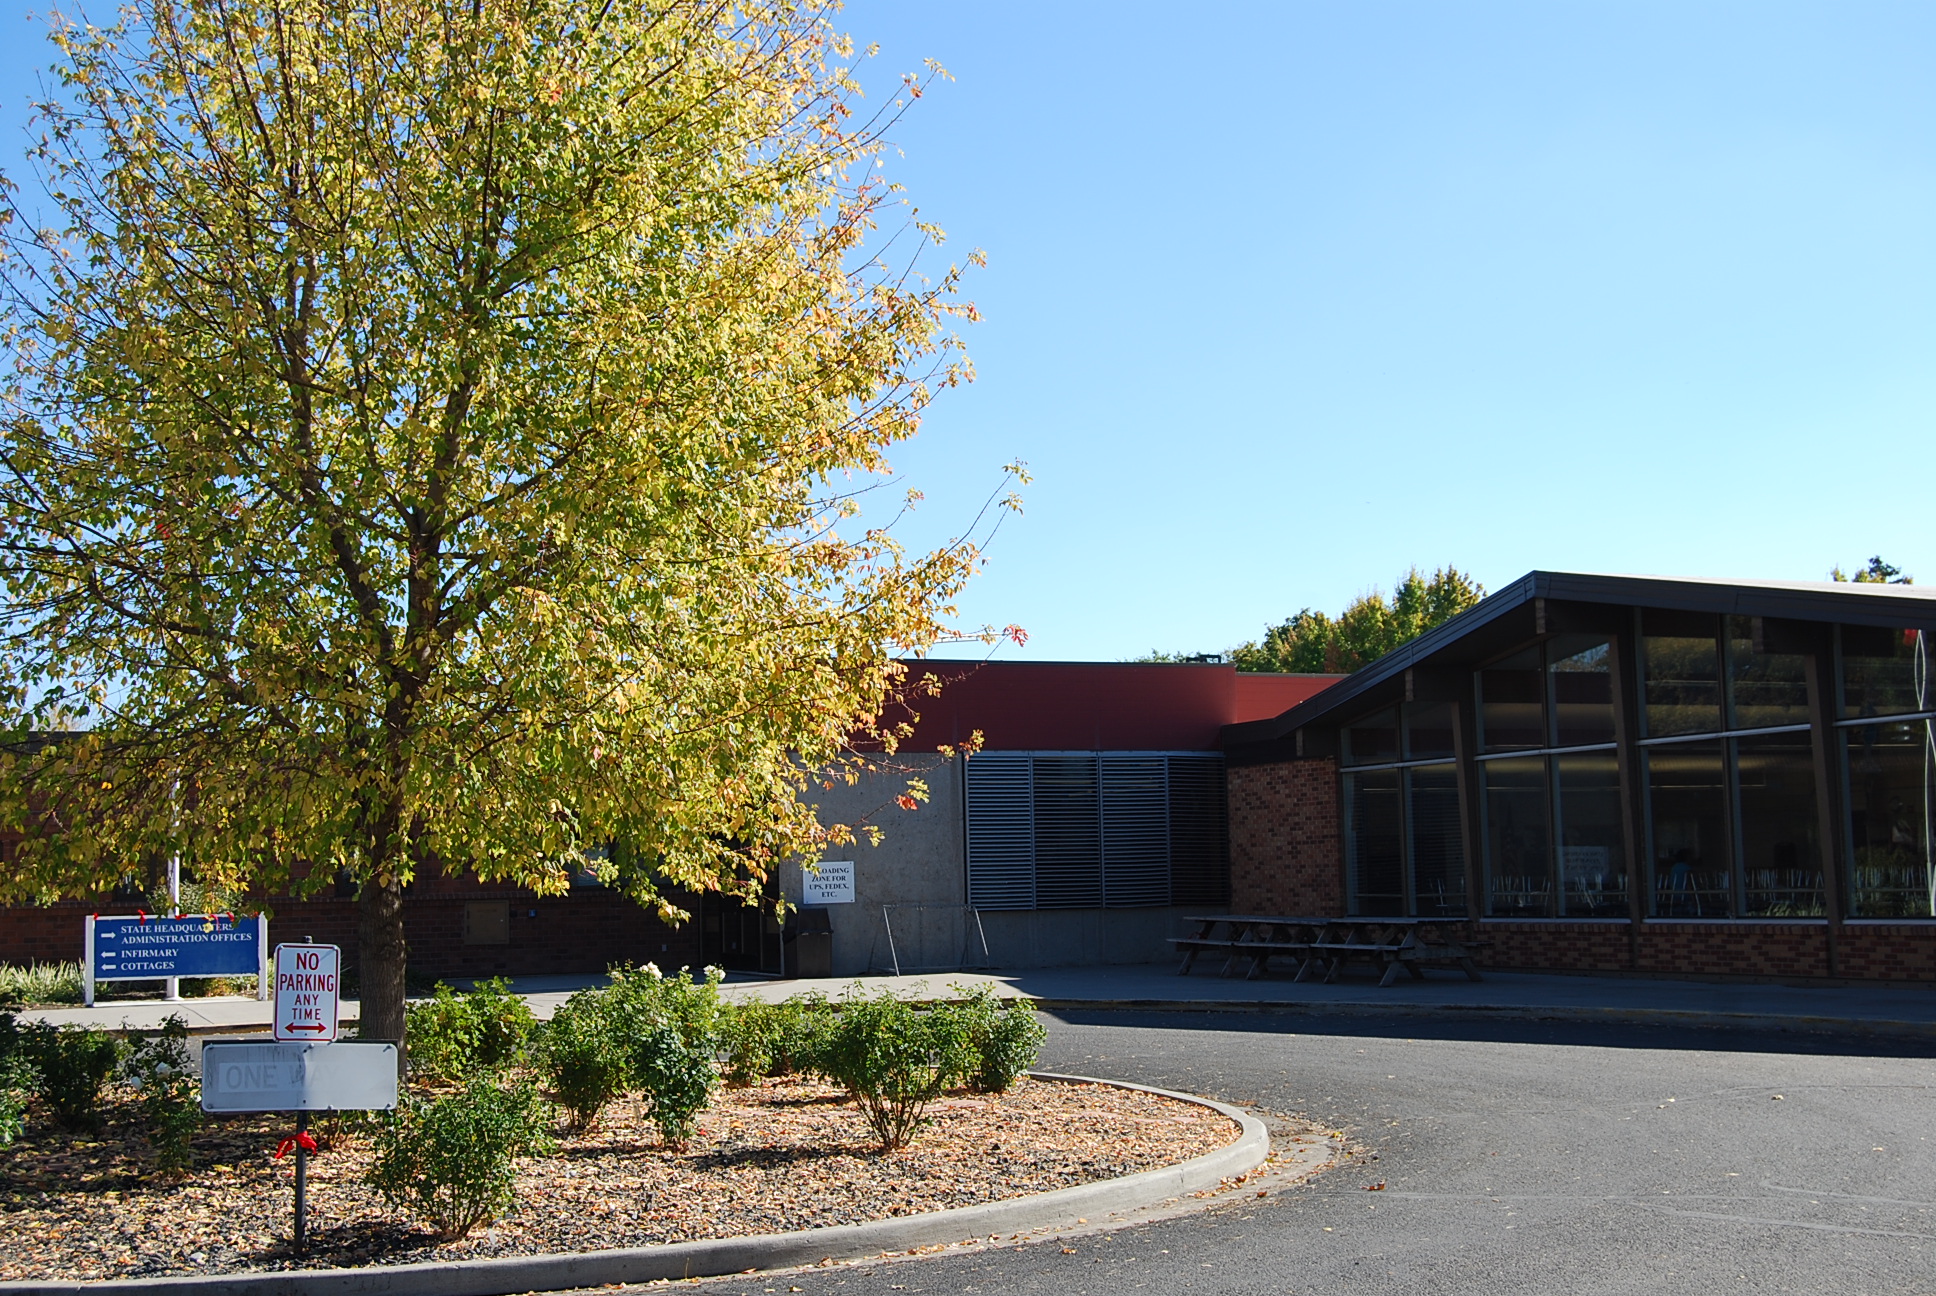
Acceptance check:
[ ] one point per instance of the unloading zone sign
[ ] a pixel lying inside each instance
(306, 992)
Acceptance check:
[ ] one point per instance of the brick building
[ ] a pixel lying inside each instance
(1095, 809)
(1621, 774)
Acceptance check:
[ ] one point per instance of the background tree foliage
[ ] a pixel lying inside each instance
(430, 429)
(1312, 643)
(1877, 572)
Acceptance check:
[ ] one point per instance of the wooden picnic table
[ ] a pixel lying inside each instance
(1327, 944)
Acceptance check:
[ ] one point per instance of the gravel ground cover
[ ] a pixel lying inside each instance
(777, 1157)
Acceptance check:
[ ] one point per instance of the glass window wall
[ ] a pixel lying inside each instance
(1374, 844)
(1580, 673)
(1593, 856)
(1681, 673)
(1512, 712)
(1688, 827)
(1519, 838)
(1765, 689)
(1892, 785)
(1429, 730)
(1372, 740)
(1781, 850)
(1437, 842)
(1884, 672)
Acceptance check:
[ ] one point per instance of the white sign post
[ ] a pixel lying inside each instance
(833, 884)
(245, 1076)
(251, 1076)
(307, 992)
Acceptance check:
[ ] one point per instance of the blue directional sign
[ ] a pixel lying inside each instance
(193, 945)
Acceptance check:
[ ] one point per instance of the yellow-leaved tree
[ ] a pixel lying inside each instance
(430, 434)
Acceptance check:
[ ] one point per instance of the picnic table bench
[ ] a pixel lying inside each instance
(1328, 944)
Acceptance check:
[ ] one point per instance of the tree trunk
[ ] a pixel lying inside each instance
(381, 957)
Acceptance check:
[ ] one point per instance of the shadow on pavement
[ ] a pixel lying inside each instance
(1502, 1029)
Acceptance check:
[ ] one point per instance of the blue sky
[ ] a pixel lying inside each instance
(1284, 298)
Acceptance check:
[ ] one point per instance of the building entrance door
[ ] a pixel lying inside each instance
(742, 936)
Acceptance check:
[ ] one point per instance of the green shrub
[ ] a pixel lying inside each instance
(676, 1078)
(212, 987)
(453, 1035)
(16, 1081)
(70, 1067)
(772, 1039)
(584, 1056)
(453, 1160)
(158, 1068)
(643, 997)
(40, 983)
(894, 1061)
(745, 1042)
(13, 1114)
(1003, 1035)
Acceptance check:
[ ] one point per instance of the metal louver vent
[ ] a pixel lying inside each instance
(1085, 830)
(1068, 833)
(1199, 832)
(1135, 831)
(1001, 831)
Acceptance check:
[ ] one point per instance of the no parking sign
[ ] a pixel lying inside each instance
(306, 992)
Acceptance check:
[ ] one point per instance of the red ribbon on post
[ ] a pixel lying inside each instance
(300, 1139)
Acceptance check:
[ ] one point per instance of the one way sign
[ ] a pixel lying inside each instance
(306, 992)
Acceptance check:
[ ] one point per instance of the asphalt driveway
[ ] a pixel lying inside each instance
(1518, 1157)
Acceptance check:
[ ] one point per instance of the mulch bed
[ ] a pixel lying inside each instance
(781, 1156)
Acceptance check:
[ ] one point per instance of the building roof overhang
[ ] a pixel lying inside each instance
(1520, 612)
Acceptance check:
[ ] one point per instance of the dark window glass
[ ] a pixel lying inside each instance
(1781, 853)
(1764, 688)
(1428, 729)
(1372, 740)
(1580, 671)
(1593, 864)
(1373, 852)
(1438, 843)
(1681, 673)
(1511, 693)
(1892, 780)
(1519, 840)
(1688, 812)
(1885, 672)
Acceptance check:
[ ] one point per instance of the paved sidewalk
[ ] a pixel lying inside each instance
(1893, 1010)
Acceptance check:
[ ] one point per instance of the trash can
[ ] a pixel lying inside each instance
(810, 944)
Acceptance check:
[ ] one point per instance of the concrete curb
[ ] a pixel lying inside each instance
(1694, 1017)
(543, 1273)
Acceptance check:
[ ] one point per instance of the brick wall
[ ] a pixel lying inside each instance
(1286, 856)
(585, 931)
(1903, 952)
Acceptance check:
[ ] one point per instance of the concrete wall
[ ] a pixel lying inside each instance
(920, 861)
(919, 874)
(1083, 937)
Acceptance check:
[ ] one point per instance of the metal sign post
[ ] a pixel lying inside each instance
(172, 991)
(244, 1076)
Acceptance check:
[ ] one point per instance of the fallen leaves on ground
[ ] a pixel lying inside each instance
(781, 1156)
